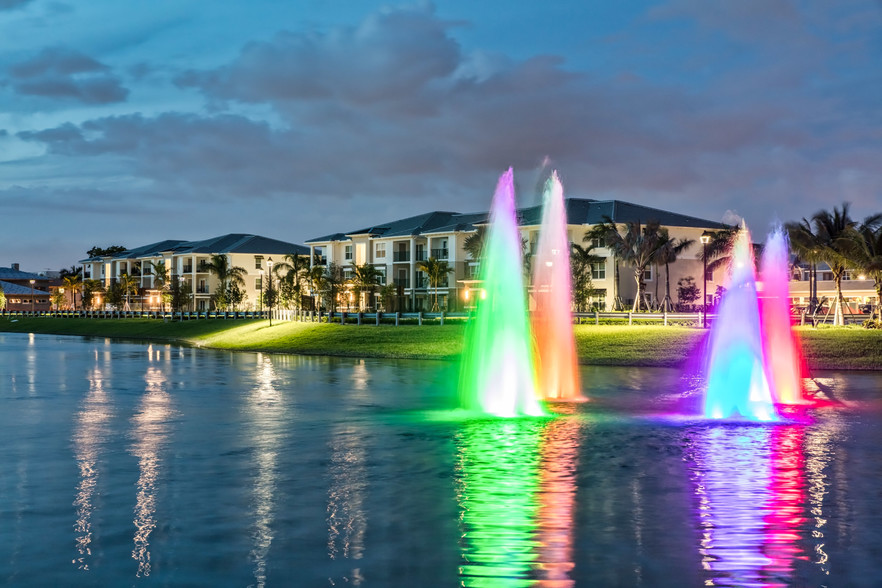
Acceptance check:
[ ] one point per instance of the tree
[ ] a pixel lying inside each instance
(114, 295)
(687, 291)
(73, 282)
(437, 272)
(72, 271)
(864, 250)
(178, 294)
(826, 238)
(292, 276)
(105, 251)
(160, 280)
(364, 278)
(474, 243)
(236, 295)
(669, 251)
(58, 299)
(90, 288)
(718, 249)
(332, 281)
(389, 297)
(582, 263)
(638, 246)
(129, 285)
(315, 279)
(226, 274)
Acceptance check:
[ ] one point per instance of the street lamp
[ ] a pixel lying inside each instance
(32, 294)
(260, 271)
(269, 301)
(705, 239)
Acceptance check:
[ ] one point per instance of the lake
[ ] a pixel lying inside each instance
(137, 464)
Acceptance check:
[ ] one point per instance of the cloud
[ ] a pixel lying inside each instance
(66, 74)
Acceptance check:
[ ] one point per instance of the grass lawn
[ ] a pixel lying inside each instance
(648, 345)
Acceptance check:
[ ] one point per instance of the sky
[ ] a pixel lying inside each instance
(126, 123)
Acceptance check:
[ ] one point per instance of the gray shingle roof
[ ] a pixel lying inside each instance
(229, 243)
(18, 290)
(7, 273)
(580, 211)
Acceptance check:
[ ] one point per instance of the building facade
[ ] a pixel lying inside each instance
(24, 290)
(396, 248)
(186, 261)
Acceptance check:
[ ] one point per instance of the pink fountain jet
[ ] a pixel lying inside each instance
(557, 368)
(780, 344)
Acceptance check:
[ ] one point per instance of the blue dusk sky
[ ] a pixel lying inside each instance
(132, 122)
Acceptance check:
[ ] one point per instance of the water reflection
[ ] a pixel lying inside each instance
(750, 486)
(266, 411)
(560, 450)
(151, 428)
(497, 480)
(347, 520)
(90, 429)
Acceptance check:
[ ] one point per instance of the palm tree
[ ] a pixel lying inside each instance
(315, 279)
(292, 272)
(826, 238)
(226, 274)
(582, 261)
(668, 253)
(364, 278)
(91, 287)
(437, 272)
(388, 294)
(638, 246)
(864, 249)
(474, 243)
(73, 282)
(332, 281)
(160, 280)
(129, 285)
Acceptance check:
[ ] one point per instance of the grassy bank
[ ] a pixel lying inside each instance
(647, 345)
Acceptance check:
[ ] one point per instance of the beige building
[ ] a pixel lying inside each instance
(395, 249)
(186, 260)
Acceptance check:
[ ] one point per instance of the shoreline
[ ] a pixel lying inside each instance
(605, 345)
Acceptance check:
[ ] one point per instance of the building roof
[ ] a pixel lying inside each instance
(18, 290)
(230, 243)
(580, 211)
(7, 273)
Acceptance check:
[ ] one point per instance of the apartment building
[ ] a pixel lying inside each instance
(187, 261)
(24, 290)
(396, 248)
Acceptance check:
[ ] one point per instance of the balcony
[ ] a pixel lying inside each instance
(187, 269)
(422, 282)
(202, 289)
(440, 253)
(421, 255)
(400, 256)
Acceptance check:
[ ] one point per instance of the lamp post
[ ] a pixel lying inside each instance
(260, 271)
(705, 239)
(269, 300)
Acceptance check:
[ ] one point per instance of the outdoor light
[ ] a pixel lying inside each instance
(483, 294)
(466, 294)
(260, 271)
(705, 239)
(862, 277)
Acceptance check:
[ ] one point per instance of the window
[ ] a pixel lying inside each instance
(258, 283)
(647, 274)
(347, 252)
(258, 261)
(597, 242)
(381, 276)
(381, 250)
(598, 271)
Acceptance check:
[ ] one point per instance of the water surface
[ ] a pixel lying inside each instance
(134, 464)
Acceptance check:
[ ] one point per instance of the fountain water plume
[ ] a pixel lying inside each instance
(557, 366)
(781, 347)
(736, 376)
(497, 375)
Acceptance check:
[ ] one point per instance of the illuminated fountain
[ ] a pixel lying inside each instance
(737, 385)
(497, 374)
(557, 368)
(781, 346)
